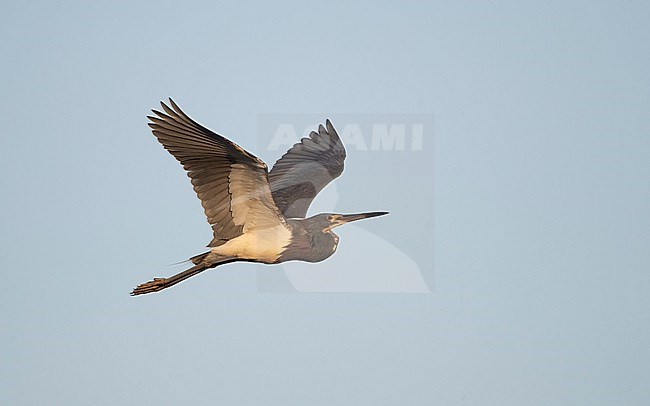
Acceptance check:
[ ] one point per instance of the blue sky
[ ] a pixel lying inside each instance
(533, 187)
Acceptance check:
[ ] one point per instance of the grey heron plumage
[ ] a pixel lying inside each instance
(255, 215)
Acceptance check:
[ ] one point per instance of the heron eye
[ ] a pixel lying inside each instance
(330, 218)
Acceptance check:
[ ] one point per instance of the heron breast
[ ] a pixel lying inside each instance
(265, 244)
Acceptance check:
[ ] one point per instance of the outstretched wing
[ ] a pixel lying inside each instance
(305, 170)
(231, 183)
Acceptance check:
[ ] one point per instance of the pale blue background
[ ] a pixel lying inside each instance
(541, 277)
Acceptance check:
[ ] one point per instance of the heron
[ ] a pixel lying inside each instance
(255, 215)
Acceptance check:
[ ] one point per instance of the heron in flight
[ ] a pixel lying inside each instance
(256, 215)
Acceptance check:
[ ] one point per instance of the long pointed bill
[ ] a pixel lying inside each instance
(346, 218)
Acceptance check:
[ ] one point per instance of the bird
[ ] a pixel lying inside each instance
(256, 215)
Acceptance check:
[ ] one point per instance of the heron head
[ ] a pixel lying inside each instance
(332, 220)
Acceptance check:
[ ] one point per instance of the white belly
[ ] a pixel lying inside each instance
(264, 244)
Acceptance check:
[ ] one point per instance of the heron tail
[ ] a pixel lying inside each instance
(158, 284)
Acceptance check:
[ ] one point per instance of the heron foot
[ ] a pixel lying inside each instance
(157, 284)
